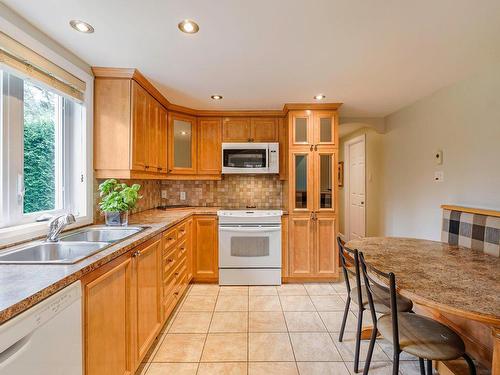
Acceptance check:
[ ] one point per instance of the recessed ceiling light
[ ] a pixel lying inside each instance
(188, 26)
(81, 26)
(319, 97)
(216, 97)
(183, 133)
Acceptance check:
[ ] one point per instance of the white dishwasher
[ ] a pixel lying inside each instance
(46, 339)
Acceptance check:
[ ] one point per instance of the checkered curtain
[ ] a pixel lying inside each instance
(478, 232)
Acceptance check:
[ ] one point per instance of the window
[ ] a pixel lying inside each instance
(42, 152)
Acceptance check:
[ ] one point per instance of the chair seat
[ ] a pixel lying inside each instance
(423, 337)
(381, 305)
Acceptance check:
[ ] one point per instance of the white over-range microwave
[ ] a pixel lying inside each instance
(250, 158)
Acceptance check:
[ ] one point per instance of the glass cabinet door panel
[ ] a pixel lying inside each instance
(301, 170)
(182, 144)
(325, 130)
(300, 126)
(325, 181)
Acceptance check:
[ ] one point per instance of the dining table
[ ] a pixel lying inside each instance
(454, 284)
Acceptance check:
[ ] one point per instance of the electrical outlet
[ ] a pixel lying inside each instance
(164, 194)
(439, 176)
(183, 196)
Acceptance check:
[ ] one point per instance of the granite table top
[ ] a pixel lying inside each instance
(24, 285)
(450, 278)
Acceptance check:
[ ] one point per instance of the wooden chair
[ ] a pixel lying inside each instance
(350, 266)
(417, 335)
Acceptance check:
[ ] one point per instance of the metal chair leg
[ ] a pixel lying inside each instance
(344, 319)
(429, 367)
(395, 364)
(358, 340)
(422, 366)
(369, 354)
(470, 363)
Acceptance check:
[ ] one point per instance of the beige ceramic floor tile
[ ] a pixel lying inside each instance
(328, 303)
(346, 348)
(180, 348)
(291, 290)
(266, 321)
(233, 291)
(225, 347)
(270, 347)
(304, 322)
(411, 368)
(263, 291)
(339, 286)
(191, 322)
(376, 368)
(322, 368)
(199, 303)
(322, 289)
(264, 303)
(333, 321)
(386, 346)
(314, 347)
(231, 368)
(272, 368)
(204, 289)
(172, 368)
(296, 303)
(154, 348)
(229, 322)
(232, 303)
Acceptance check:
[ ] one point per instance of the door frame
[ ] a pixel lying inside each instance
(347, 188)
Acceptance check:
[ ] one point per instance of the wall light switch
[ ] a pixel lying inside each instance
(439, 176)
(164, 194)
(183, 196)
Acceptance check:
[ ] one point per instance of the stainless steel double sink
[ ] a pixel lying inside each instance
(71, 248)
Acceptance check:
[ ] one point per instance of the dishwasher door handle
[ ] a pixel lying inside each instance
(10, 353)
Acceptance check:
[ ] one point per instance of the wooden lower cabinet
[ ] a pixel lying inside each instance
(311, 249)
(205, 252)
(148, 317)
(108, 309)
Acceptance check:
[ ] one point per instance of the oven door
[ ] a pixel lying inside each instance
(250, 246)
(245, 158)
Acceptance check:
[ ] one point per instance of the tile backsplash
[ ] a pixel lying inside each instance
(262, 191)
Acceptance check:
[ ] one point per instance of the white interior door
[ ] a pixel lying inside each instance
(356, 197)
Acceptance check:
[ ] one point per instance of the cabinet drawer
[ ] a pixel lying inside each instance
(181, 230)
(169, 262)
(182, 249)
(169, 238)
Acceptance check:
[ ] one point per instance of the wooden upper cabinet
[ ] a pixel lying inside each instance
(129, 130)
(325, 129)
(236, 129)
(264, 130)
(140, 125)
(301, 132)
(182, 136)
(209, 146)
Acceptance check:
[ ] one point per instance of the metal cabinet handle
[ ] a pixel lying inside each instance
(315, 147)
(146, 166)
(311, 148)
(170, 260)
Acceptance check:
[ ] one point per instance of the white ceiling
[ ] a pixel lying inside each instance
(375, 56)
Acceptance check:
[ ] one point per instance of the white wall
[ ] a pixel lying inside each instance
(463, 120)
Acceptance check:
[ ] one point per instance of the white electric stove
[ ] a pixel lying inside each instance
(250, 247)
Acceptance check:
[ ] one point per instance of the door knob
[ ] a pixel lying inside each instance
(362, 203)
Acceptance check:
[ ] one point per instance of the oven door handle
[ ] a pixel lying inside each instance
(250, 229)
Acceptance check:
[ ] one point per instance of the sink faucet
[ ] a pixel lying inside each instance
(57, 225)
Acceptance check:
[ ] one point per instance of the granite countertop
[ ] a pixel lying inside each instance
(24, 285)
(450, 278)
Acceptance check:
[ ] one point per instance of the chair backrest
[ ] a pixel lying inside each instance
(349, 257)
(471, 230)
(377, 290)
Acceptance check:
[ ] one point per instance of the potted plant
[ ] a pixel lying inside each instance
(117, 199)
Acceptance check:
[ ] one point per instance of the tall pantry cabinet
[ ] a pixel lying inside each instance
(312, 194)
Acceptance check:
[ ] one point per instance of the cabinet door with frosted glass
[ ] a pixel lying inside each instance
(325, 180)
(325, 129)
(301, 181)
(181, 144)
(301, 131)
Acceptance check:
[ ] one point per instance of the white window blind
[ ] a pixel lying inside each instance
(30, 64)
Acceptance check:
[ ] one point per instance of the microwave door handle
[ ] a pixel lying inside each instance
(250, 230)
